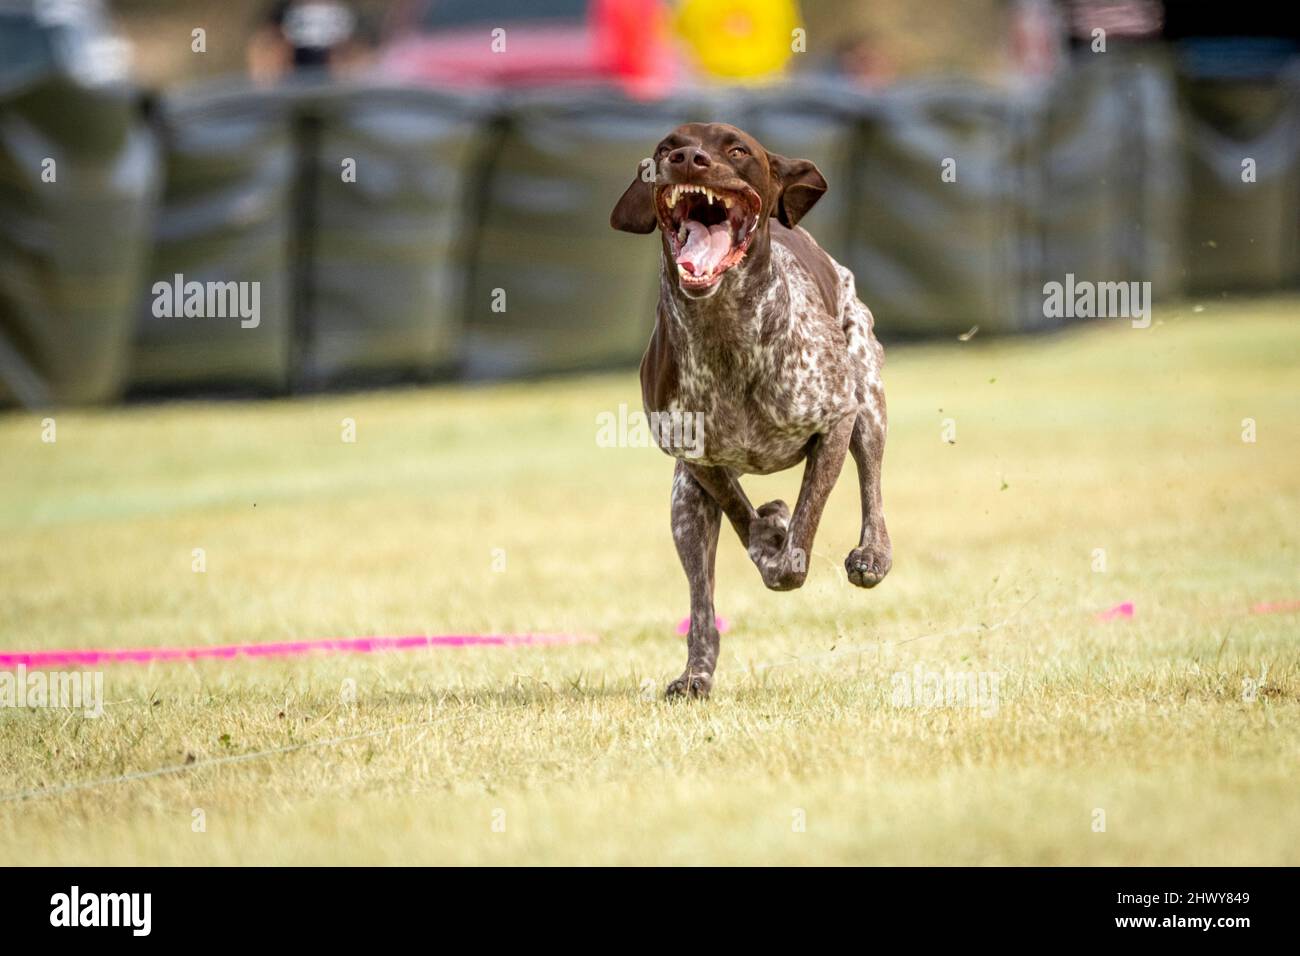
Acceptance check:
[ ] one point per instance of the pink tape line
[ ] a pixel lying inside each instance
(356, 645)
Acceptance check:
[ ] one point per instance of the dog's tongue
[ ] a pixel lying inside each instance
(704, 248)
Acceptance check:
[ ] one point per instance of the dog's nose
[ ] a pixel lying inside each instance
(692, 154)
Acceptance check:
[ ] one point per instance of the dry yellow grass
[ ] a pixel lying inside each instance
(1104, 437)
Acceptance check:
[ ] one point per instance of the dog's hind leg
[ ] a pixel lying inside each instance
(697, 518)
(780, 547)
(870, 561)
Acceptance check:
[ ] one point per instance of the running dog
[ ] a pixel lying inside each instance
(762, 332)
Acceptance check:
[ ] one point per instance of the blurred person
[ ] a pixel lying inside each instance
(306, 35)
(863, 59)
(1037, 39)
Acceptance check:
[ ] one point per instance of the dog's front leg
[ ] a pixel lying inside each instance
(696, 519)
(725, 489)
(870, 561)
(780, 544)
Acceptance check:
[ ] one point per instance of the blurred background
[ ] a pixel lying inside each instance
(420, 190)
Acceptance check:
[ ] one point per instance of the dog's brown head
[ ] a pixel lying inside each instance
(713, 190)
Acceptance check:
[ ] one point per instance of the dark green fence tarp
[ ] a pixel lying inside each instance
(934, 254)
(1080, 197)
(1110, 189)
(226, 216)
(1156, 196)
(1239, 234)
(77, 174)
(474, 234)
(391, 180)
(1081, 178)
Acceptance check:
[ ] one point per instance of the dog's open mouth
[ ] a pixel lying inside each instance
(709, 229)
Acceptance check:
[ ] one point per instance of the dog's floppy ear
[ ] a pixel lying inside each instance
(799, 185)
(635, 211)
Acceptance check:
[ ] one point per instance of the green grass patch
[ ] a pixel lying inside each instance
(1102, 437)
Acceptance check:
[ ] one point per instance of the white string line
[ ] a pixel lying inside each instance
(40, 792)
(954, 632)
(861, 648)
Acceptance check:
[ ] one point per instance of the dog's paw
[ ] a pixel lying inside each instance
(782, 568)
(785, 571)
(696, 686)
(767, 532)
(868, 566)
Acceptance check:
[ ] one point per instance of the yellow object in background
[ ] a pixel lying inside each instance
(739, 39)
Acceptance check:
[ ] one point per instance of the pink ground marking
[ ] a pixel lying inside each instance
(1275, 607)
(684, 625)
(354, 645)
(1119, 610)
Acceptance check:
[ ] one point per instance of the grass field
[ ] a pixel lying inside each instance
(1103, 437)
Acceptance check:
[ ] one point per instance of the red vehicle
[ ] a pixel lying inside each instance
(532, 43)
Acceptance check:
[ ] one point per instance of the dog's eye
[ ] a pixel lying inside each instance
(737, 152)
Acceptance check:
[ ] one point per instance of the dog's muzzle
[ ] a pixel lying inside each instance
(709, 229)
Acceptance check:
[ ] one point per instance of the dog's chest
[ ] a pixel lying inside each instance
(761, 400)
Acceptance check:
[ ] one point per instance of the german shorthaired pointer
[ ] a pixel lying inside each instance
(762, 332)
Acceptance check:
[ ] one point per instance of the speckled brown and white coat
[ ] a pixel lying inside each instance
(781, 359)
